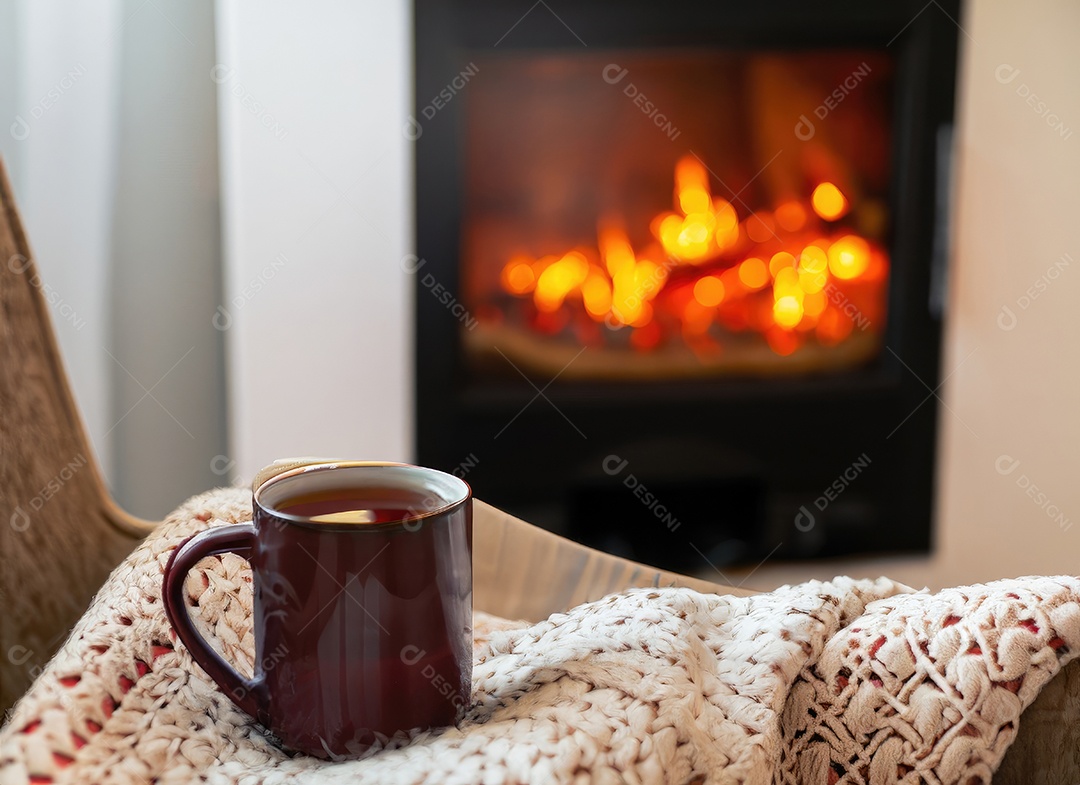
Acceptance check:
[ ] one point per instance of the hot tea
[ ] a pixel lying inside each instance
(363, 604)
(350, 506)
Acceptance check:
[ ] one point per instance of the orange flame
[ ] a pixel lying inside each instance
(786, 273)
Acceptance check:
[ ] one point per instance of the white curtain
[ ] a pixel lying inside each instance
(110, 136)
(193, 366)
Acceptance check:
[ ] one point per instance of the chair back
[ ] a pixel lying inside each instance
(60, 531)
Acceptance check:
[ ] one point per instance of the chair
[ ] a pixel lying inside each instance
(61, 533)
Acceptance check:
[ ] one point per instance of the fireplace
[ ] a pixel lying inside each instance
(680, 272)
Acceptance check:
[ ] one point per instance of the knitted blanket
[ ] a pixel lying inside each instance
(840, 681)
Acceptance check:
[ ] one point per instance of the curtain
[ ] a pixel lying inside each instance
(219, 198)
(111, 140)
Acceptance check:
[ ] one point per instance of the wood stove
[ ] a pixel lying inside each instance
(680, 269)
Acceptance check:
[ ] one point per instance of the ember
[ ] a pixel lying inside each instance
(799, 273)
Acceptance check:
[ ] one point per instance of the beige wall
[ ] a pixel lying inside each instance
(1011, 394)
(1017, 228)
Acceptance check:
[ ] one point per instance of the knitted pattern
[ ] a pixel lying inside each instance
(929, 688)
(649, 685)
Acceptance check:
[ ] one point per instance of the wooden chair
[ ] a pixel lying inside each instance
(61, 533)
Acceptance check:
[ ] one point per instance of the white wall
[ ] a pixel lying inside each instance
(316, 182)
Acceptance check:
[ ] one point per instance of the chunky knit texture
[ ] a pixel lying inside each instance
(929, 688)
(851, 680)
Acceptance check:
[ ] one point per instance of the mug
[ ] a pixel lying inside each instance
(362, 577)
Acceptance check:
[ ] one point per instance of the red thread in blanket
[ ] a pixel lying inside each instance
(126, 684)
(974, 649)
(108, 705)
(876, 646)
(1030, 626)
(32, 726)
(1058, 645)
(157, 650)
(92, 726)
(62, 760)
(950, 621)
(70, 681)
(141, 668)
(1012, 686)
(77, 740)
(40, 779)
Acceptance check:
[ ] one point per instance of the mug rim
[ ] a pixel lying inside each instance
(330, 465)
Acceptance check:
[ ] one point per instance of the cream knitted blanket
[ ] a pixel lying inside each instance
(844, 681)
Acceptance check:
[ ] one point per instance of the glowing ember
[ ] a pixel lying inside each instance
(709, 291)
(849, 257)
(754, 274)
(828, 202)
(790, 274)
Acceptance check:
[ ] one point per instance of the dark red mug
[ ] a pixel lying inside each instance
(363, 604)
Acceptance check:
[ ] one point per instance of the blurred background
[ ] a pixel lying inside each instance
(220, 196)
(211, 193)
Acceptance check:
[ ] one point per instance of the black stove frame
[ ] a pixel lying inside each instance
(864, 484)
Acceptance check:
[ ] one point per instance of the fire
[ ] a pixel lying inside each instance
(828, 202)
(634, 282)
(849, 257)
(792, 274)
(753, 274)
(703, 225)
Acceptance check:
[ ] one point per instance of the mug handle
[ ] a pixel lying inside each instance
(237, 538)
